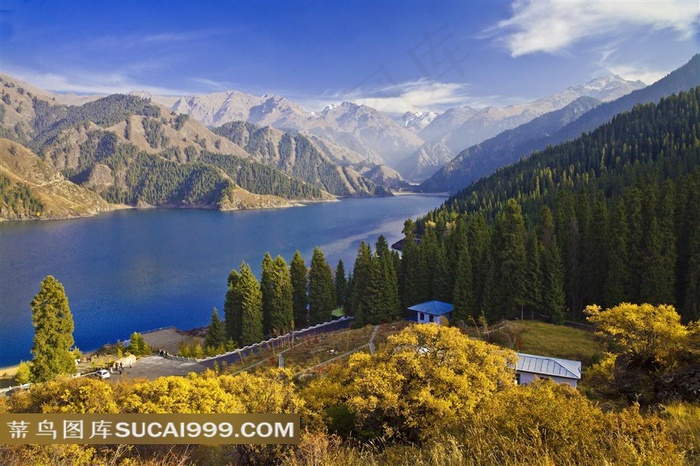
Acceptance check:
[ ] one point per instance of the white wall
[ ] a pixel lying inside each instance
(527, 378)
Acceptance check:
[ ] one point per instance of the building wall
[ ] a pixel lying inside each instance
(526, 378)
(436, 319)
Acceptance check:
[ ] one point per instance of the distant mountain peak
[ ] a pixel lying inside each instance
(606, 88)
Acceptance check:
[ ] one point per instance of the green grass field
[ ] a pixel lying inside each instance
(558, 341)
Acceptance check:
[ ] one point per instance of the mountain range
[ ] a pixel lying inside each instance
(416, 144)
(581, 116)
(233, 150)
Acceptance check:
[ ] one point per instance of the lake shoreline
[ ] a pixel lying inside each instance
(142, 269)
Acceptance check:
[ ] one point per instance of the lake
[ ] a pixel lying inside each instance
(138, 270)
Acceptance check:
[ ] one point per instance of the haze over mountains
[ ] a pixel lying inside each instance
(416, 144)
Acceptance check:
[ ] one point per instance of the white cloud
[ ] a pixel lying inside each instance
(637, 72)
(399, 98)
(83, 82)
(552, 26)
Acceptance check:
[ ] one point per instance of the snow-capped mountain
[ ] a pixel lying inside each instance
(462, 127)
(416, 144)
(416, 121)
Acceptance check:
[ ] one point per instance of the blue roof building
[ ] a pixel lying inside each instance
(437, 312)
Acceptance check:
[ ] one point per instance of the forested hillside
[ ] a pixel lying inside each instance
(297, 155)
(33, 189)
(555, 128)
(610, 217)
(506, 148)
(131, 151)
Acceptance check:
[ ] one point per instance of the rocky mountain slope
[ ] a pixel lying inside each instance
(132, 151)
(33, 189)
(300, 156)
(462, 127)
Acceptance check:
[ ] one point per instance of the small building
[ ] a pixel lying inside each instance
(531, 367)
(437, 312)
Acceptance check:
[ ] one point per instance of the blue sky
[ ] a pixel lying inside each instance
(393, 55)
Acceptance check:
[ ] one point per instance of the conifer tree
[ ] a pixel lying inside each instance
(321, 289)
(617, 280)
(360, 283)
(453, 248)
(383, 304)
(428, 260)
(232, 309)
(137, 345)
(533, 275)
(283, 301)
(267, 286)
(478, 241)
(53, 337)
(410, 267)
(464, 302)
(666, 277)
(511, 260)
(441, 278)
(597, 254)
(553, 295)
(299, 274)
(216, 333)
(341, 284)
(250, 296)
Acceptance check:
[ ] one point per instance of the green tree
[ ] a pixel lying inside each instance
(24, 373)
(232, 308)
(137, 345)
(267, 286)
(299, 274)
(410, 267)
(360, 284)
(553, 295)
(250, 298)
(341, 284)
(511, 261)
(321, 289)
(617, 280)
(216, 333)
(389, 285)
(53, 337)
(282, 314)
(464, 302)
(533, 274)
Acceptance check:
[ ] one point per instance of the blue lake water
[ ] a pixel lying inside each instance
(138, 270)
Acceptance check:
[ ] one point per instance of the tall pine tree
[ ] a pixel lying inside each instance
(216, 333)
(53, 337)
(341, 285)
(267, 286)
(282, 314)
(464, 302)
(300, 298)
(232, 309)
(511, 261)
(250, 298)
(321, 289)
